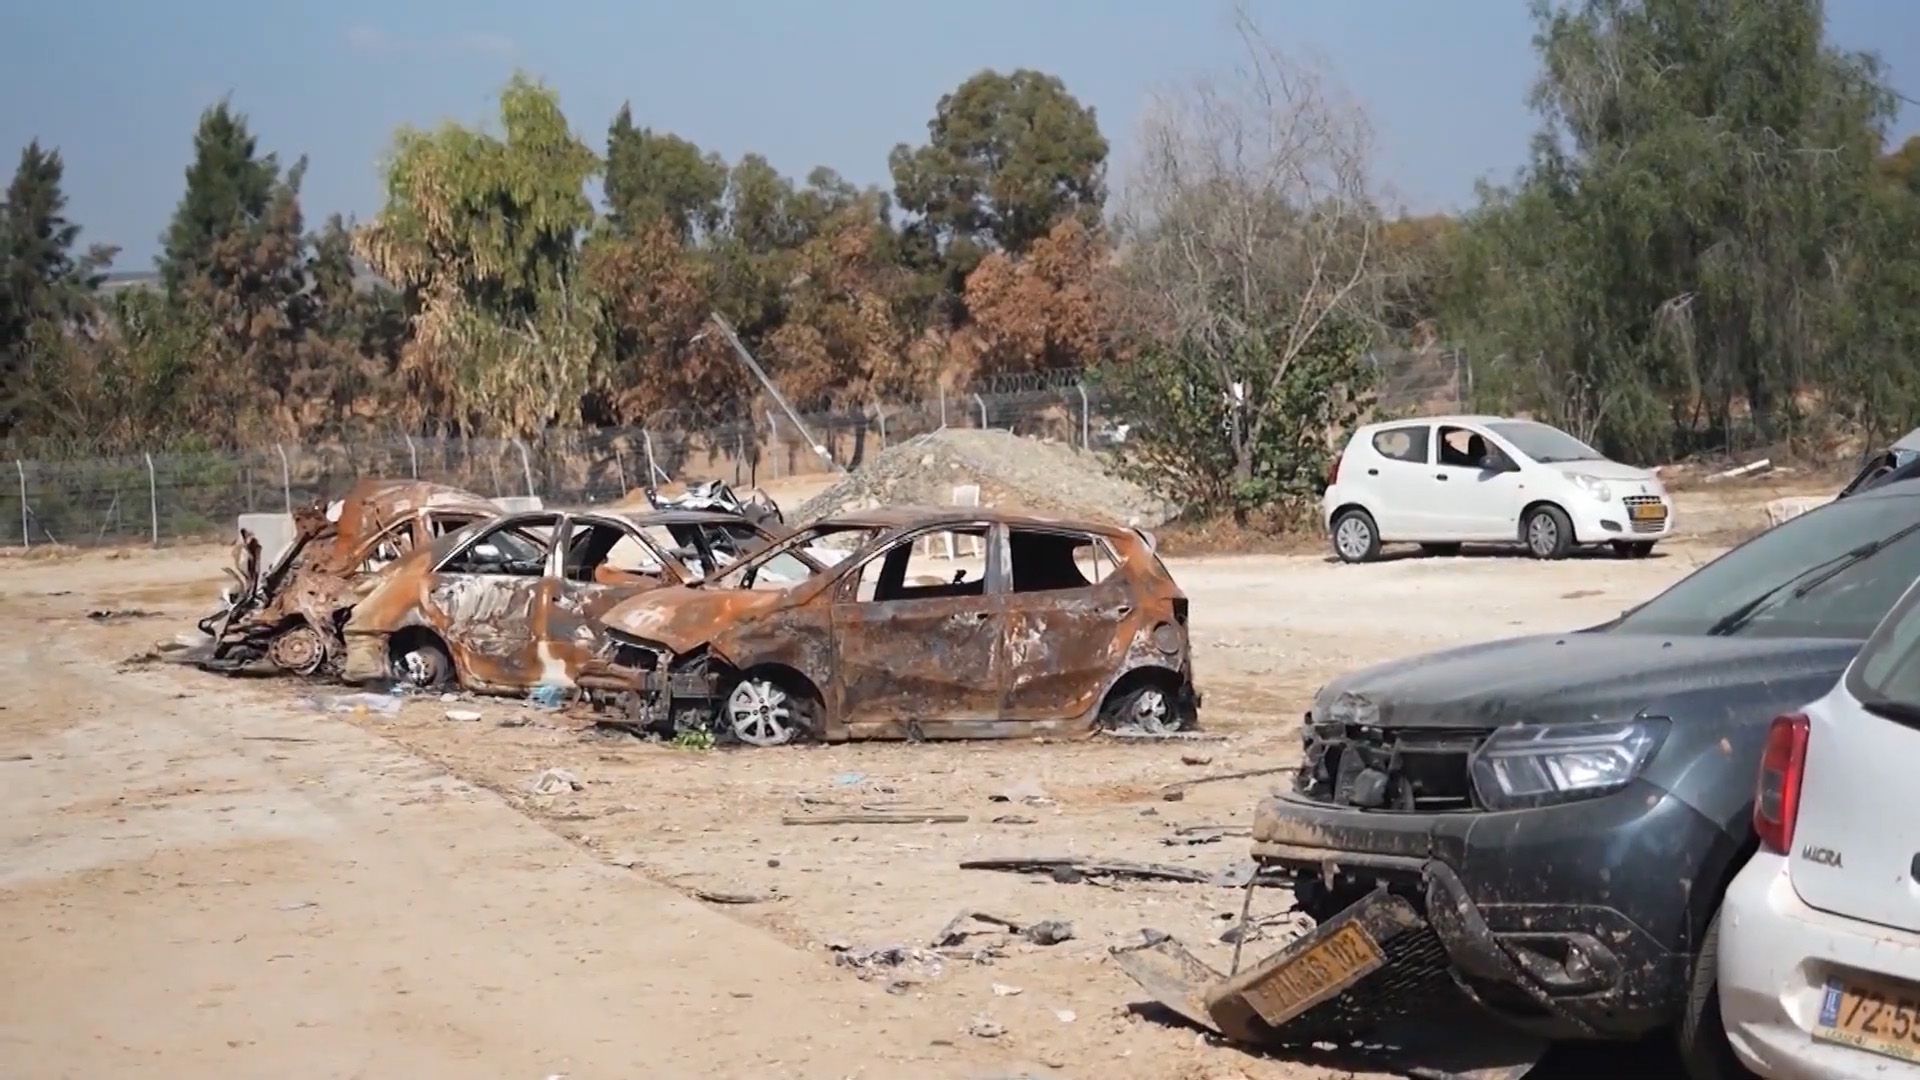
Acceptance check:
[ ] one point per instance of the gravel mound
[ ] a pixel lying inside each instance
(1014, 473)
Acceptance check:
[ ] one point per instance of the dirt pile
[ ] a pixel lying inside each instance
(1014, 473)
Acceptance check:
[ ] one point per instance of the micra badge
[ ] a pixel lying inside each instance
(1823, 856)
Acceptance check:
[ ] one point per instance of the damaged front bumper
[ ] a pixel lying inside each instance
(1567, 921)
(659, 697)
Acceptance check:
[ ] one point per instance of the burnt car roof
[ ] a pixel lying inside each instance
(650, 517)
(907, 517)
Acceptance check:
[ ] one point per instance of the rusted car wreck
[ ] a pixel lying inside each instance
(505, 605)
(904, 623)
(289, 613)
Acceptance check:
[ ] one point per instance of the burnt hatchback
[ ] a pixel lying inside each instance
(906, 623)
(1565, 811)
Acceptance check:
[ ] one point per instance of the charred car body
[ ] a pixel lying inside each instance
(507, 604)
(290, 613)
(943, 623)
(1566, 811)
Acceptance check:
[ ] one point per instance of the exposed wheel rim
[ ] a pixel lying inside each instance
(1543, 535)
(298, 650)
(1152, 712)
(761, 714)
(1352, 538)
(419, 667)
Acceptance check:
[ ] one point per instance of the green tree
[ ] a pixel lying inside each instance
(1006, 157)
(483, 233)
(1681, 256)
(659, 176)
(228, 187)
(45, 290)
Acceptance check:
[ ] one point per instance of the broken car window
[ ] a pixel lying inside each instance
(1832, 573)
(1045, 561)
(1407, 444)
(800, 556)
(928, 566)
(512, 551)
(393, 544)
(606, 554)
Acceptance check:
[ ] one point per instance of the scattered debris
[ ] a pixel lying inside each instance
(1194, 840)
(17, 757)
(554, 782)
(1196, 759)
(1218, 830)
(1014, 819)
(1137, 735)
(1050, 932)
(297, 905)
(873, 819)
(1026, 791)
(985, 1028)
(547, 696)
(956, 930)
(1082, 868)
(1760, 466)
(465, 716)
(850, 779)
(276, 738)
(363, 702)
(117, 614)
(1003, 990)
(712, 897)
(1175, 791)
(889, 959)
(1065, 1016)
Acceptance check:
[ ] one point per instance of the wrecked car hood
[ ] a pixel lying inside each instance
(1579, 676)
(683, 619)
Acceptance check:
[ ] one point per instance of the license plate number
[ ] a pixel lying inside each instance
(1322, 970)
(1647, 512)
(1881, 1016)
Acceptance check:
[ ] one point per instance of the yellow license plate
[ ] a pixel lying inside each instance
(1647, 512)
(1324, 969)
(1877, 1015)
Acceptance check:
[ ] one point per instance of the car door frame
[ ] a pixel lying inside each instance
(872, 715)
(459, 602)
(1485, 502)
(1094, 613)
(1402, 507)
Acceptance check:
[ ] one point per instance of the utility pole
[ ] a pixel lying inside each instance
(753, 365)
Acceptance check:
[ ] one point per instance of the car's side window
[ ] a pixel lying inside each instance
(509, 550)
(392, 544)
(1408, 444)
(931, 565)
(1048, 561)
(1463, 448)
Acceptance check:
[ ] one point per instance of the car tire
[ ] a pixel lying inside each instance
(1442, 551)
(1355, 537)
(1150, 708)
(1547, 532)
(1705, 1052)
(1633, 549)
(423, 663)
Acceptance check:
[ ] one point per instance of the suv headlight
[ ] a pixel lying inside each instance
(1536, 764)
(1592, 485)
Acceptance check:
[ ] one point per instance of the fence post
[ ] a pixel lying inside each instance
(526, 467)
(286, 477)
(773, 442)
(943, 405)
(620, 463)
(983, 411)
(653, 470)
(413, 457)
(153, 501)
(26, 537)
(1086, 440)
(880, 413)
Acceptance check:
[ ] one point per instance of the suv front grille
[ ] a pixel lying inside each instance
(1393, 769)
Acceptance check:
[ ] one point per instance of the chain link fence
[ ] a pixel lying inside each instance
(175, 496)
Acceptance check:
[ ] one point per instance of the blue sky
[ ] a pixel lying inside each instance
(117, 85)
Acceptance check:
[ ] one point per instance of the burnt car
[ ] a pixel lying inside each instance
(505, 605)
(289, 613)
(1898, 462)
(905, 623)
(1564, 812)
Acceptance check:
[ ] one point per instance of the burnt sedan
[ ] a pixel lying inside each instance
(506, 604)
(912, 624)
(1565, 812)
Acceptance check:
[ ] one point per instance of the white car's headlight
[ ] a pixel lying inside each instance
(1592, 485)
(1535, 764)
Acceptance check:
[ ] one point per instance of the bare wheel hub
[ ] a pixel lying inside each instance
(299, 650)
(760, 713)
(1153, 713)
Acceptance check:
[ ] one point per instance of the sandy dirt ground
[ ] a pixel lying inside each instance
(222, 876)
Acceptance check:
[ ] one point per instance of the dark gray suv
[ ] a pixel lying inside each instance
(1565, 811)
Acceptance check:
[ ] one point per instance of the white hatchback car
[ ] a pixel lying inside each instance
(1445, 480)
(1819, 936)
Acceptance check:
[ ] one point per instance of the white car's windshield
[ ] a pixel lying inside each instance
(1542, 443)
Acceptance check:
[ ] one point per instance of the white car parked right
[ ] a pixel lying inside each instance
(1819, 936)
(1445, 480)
